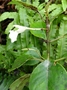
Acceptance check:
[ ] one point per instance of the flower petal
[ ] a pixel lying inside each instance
(21, 28)
(13, 36)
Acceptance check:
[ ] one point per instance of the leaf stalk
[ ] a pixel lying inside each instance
(59, 38)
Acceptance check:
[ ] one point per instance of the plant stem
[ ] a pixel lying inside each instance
(47, 31)
(41, 17)
(59, 38)
(59, 60)
(47, 34)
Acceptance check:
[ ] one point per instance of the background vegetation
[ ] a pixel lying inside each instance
(38, 59)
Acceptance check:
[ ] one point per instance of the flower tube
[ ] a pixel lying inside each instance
(13, 34)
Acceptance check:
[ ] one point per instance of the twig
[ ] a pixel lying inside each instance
(58, 60)
(58, 38)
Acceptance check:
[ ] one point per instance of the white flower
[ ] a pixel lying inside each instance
(23, 28)
(20, 28)
(13, 34)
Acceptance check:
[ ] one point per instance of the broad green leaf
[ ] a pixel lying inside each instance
(20, 61)
(38, 33)
(7, 15)
(20, 83)
(48, 76)
(64, 4)
(33, 52)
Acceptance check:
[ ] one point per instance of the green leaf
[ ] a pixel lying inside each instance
(6, 83)
(20, 83)
(2, 58)
(7, 15)
(64, 4)
(62, 43)
(34, 52)
(36, 3)
(48, 76)
(38, 33)
(52, 7)
(32, 62)
(20, 61)
(46, 0)
(20, 3)
(2, 48)
(23, 17)
(53, 30)
(56, 12)
(9, 27)
(65, 17)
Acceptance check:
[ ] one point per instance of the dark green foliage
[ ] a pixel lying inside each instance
(38, 58)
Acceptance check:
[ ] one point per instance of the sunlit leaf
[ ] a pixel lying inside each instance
(20, 3)
(46, 0)
(52, 7)
(36, 3)
(6, 15)
(38, 33)
(64, 4)
(56, 12)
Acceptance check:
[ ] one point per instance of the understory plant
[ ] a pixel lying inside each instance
(35, 54)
